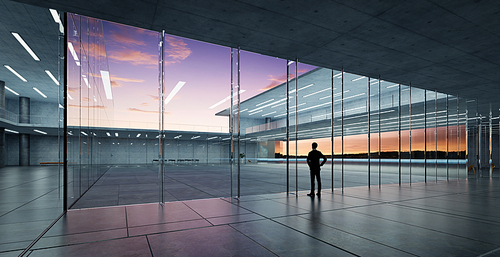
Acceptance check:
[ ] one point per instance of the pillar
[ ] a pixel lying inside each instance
(3, 152)
(24, 149)
(24, 139)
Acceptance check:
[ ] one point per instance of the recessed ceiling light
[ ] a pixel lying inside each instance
(52, 77)
(39, 131)
(174, 91)
(69, 96)
(195, 137)
(73, 53)
(15, 73)
(60, 106)
(138, 135)
(358, 78)
(12, 91)
(107, 133)
(40, 92)
(11, 131)
(107, 84)
(26, 47)
(116, 134)
(57, 19)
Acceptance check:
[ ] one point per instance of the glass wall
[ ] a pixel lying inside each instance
(164, 112)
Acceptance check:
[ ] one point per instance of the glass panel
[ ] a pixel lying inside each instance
(263, 125)
(355, 110)
(417, 134)
(405, 134)
(452, 137)
(442, 169)
(430, 146)
(375, 124)
(314, 94)
(389, 136)
(338, 149)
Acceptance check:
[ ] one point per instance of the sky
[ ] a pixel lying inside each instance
(205, 69)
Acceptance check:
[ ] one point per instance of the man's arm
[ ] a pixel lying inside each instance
(324, 159)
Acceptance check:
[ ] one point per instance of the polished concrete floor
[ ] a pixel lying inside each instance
(30, 201)
(123, 185)
(455, 218)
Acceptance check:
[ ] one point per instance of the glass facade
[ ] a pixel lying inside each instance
(167, 112)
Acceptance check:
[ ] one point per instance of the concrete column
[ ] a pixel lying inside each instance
(3, 152)
(2, 94)
(24, 139)
(24, 110)
(24, 149)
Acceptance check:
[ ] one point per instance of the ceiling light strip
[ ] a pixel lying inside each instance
(40, 92)
(52, 77)
(15, 73)
(12, 91)
(176, 89)
(26, 46)
(39, 131)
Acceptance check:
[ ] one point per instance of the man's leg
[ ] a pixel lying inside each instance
(319, 181)
(312, 173)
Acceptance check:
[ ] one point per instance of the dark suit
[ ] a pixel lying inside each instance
(314, 166)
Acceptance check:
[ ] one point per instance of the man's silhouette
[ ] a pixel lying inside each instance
(314, 166)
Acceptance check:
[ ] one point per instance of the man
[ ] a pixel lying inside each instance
(314, 166)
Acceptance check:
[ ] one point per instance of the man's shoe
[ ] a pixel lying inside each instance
(311, 194)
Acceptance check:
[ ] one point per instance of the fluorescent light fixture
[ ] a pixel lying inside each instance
(69, 96)
(290, 62)
(226, 138)
(11, 131)
(338, 75)
(85, 134)
(26, 47)
(317, 92)
(223, 100)
(116, 134)
(40, 92)
(107, 133)
(107, 84)
(39, 131)
(61, 107)
(254, 112)
(265, 102)
(174, 91)
(210, 138)
(310, 85)
(86, 80)
(358, 78)
(244, 110)
(15, 73)
(375, 81)
(195, 137)
(57, 19)
(52, 77)
(268, 113)
(395, 85)
(349, 97)
(177, 137)
(12, 91)
(138, 135)
(73, 53)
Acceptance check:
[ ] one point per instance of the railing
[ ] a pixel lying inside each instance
(45, 121)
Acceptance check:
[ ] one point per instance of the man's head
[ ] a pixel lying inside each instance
(314, 145)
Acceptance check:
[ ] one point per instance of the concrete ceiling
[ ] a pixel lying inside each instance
(37, 28)
(451, 46)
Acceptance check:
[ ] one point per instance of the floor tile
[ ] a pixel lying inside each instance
(285, 241)
(150, 214)
(133, 247)
(212, 241)
(168, 227)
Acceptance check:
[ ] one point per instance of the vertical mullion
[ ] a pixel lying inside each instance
(332, 134)
(296, 127)
(399, 132)
(238, 89)
(231, 125)
(342, 113)
(369, 133)
(287, 128)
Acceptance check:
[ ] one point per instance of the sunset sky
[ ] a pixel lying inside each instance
(133, 65)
